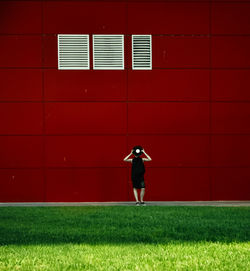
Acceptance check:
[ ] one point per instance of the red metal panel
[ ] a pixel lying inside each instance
(21, 185)
(231, 85)
(88, 184)
(180, 52)
(176, 184)
(85, 151)
(70, 17)
(231, 51)
(230, 18)
(20, 51)
(21, 118)
(21, 85)
(72, 118)
(230, 150)
(128, 51)
(171, 117)
(168, 18)
(160, 85)
(21, 151)
(177, 150)
(231, 183)
(230, 117)
(20, 17)
(50, 52)
(85, 85)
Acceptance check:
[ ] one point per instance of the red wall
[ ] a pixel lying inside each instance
(64, 134)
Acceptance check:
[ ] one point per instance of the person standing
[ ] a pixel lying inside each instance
(137, 172)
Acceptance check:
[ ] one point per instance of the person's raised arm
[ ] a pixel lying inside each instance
(148, 157)
(126, 158)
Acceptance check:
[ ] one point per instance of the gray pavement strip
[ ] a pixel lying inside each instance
(129, 203)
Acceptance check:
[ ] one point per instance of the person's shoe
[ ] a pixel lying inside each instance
(137, 203)
(143, 203)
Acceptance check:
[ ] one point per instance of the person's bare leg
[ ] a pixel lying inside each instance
(135, 194)
(142, 194)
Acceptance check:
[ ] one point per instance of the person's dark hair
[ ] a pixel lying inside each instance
(137, 150)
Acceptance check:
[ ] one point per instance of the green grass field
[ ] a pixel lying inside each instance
(125, 238)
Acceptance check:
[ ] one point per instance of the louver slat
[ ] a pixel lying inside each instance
(108, 52)
(73, 52)
(141, 52)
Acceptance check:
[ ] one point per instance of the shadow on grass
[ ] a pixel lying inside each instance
(122, 225)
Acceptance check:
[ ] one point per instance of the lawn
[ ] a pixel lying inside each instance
(125, 238)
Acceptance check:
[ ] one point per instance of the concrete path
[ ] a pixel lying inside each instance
(129, 203)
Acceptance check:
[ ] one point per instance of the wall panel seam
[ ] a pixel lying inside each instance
(43, 102)
(210, 103)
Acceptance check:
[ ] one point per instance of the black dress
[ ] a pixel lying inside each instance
(137, 173)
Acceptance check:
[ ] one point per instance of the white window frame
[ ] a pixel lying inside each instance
(58, 52)
(142, 68)
(107, 67)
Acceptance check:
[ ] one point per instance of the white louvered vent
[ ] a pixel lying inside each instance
(141, 52)
(73, 52)
(108, 52)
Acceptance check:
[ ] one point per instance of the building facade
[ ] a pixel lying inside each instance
(64, 132)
